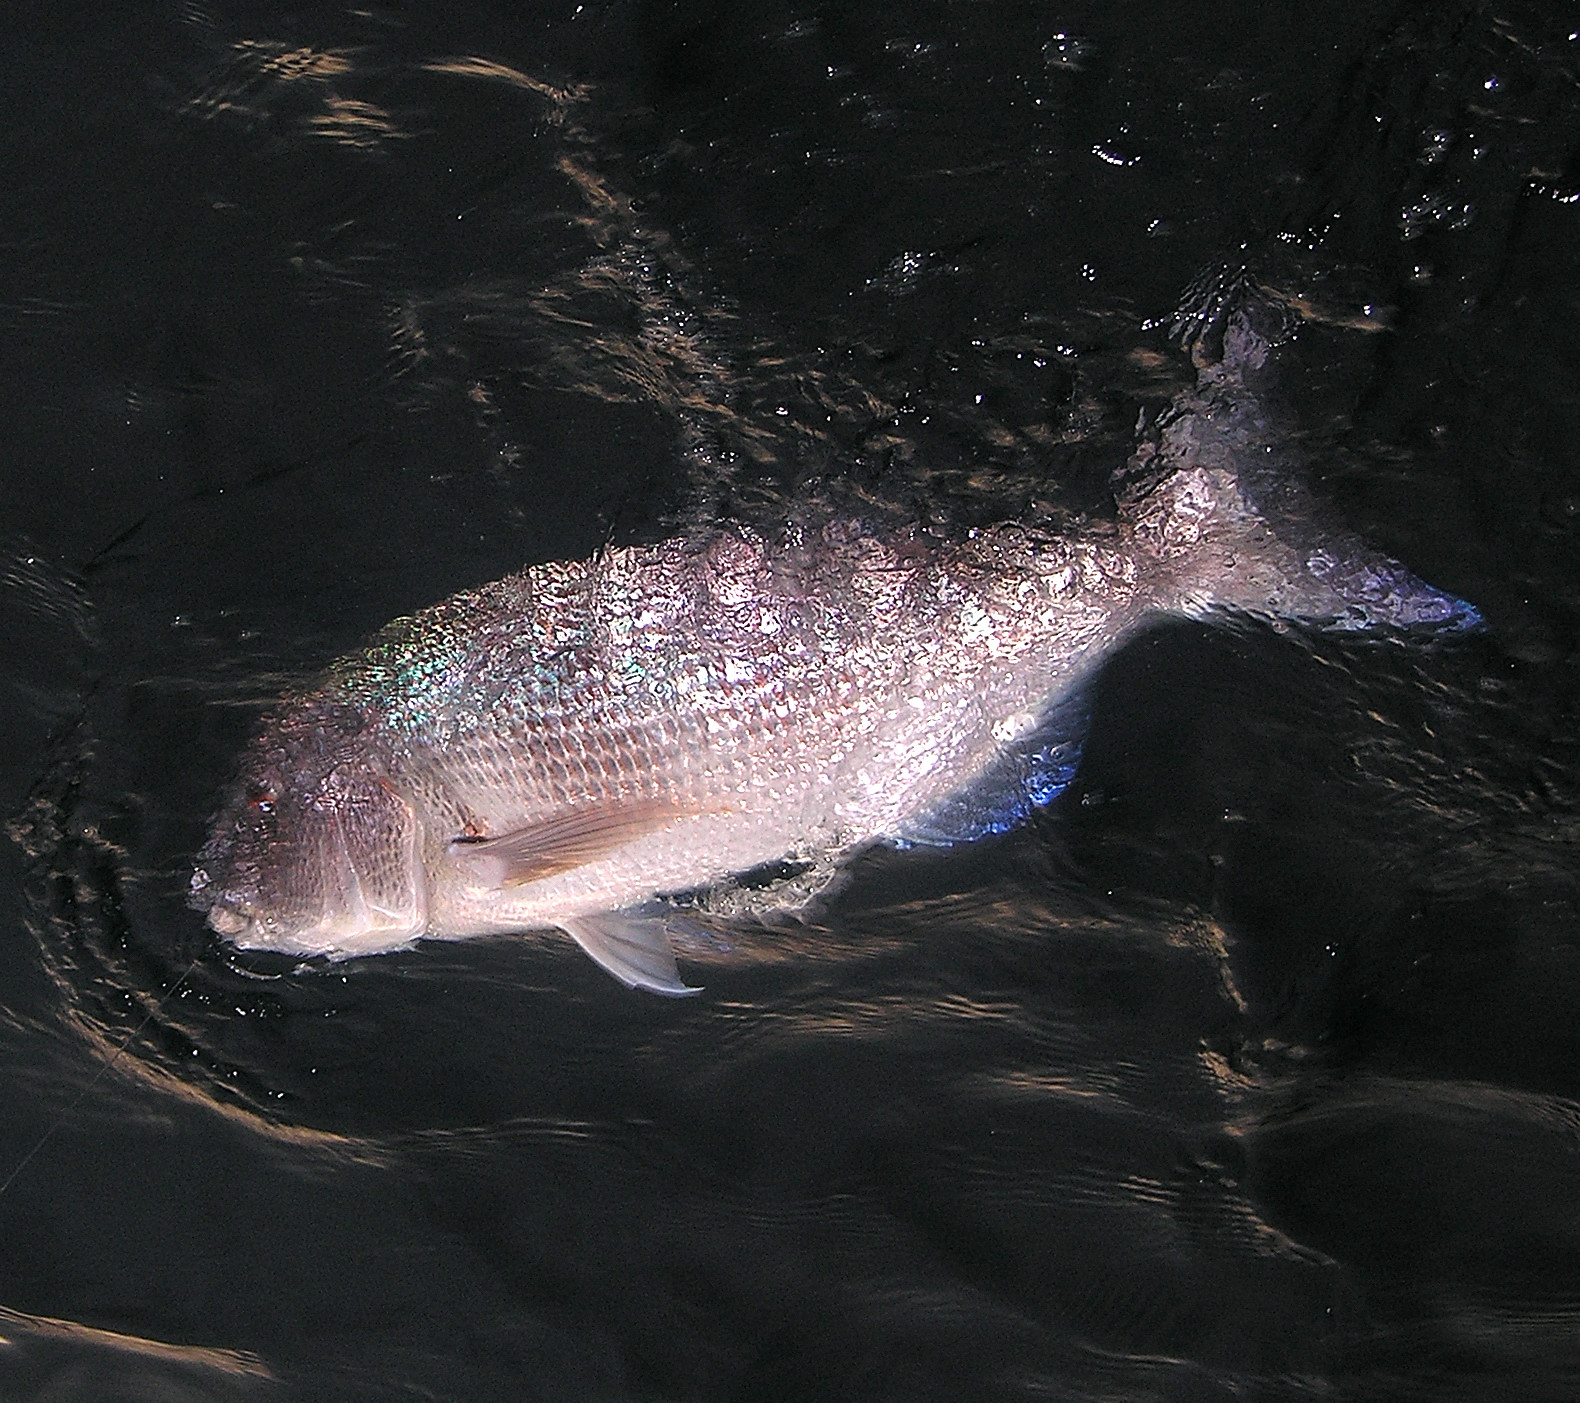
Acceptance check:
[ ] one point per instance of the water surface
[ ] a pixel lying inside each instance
(1249, 1068)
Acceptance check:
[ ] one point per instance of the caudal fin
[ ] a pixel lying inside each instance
(1217, 489)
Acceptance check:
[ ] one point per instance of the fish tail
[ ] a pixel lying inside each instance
(1217, 489)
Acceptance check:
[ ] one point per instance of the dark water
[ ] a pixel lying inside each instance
(1247, 1070)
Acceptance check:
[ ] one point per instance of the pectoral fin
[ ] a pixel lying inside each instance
(571, 839)
(633, 948)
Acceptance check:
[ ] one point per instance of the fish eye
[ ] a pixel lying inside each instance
(261, 798)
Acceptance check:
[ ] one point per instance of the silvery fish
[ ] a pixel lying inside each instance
(570, 745)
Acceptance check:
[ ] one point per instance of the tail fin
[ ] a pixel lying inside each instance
(1217, 491)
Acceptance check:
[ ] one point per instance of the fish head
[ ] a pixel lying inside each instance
(315, 850)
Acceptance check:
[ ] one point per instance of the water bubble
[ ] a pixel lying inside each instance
(1067, 52)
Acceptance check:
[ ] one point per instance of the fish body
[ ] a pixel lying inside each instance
(563, 746)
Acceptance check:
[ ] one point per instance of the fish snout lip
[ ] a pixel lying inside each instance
(227, 920)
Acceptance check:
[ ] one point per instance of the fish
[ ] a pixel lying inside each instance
(576, 744)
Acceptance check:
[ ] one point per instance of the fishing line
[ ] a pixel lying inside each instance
(98, 1076)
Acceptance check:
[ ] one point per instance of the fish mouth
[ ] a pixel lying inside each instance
(317, 900)
(227, 921)
(226, 913)
(232, 917)
(354, 929)
(355, 920)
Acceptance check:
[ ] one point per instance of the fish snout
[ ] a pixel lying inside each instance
(229, 914)
(226, 920)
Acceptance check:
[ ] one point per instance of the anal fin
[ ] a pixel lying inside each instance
(1029, 771)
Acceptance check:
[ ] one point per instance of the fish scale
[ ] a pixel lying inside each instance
(564, 746)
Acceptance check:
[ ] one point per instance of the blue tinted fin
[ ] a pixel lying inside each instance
(1029, 771)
